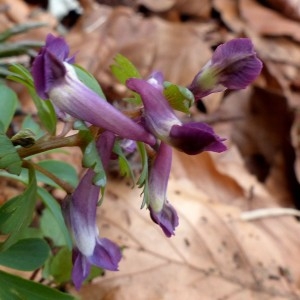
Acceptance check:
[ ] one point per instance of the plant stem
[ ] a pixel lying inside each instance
(50, 144)
(63, 184)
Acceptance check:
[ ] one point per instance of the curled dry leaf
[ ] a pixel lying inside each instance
(201, 9)
(214, 254)
(157, 5)
(192, 8)
(277, 25)
(290, 8)
(229, 13)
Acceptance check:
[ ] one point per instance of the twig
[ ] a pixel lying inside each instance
(268, 213)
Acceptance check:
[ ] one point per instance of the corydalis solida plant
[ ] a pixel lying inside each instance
(233, 65)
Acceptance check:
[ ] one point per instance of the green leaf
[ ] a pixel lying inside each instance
(16, 214)
(16, 288)
(46, 112)
(45, 108)
(60, 169)
(26, 254)
(18, 47)
(20, 74)
(9, 157)
(124, 69)
(49, 202)
(124, 165)
(51, 229)
(60, 265)
(55, 209)
(29, 123)
(143, 180)
(89, 80)
(91, 158)
(8, 105)
(180, 98)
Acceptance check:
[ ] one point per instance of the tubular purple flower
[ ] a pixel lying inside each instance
(234, 65)
(55, 79)
(161, 211)
(80, 215)
(161, 121)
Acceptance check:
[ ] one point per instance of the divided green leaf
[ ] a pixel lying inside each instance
(125, 168)
(180, 98)
(143, 180)
(16, 214)
(55, 209)
(26, 254)
(124, 69)
(89, 80)
(91, 158)
(8, 105)
(60, 265)
(17, 288)
(9, 157)
(60, 169)
(45, 108)
(51, 229)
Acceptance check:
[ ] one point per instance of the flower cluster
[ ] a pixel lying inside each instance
(234, 65)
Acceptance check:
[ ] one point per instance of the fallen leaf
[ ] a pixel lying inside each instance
(290, 8)
(214, 254)
(277, 25)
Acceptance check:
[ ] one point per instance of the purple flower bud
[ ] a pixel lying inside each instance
(161, 211)
(56, 79)
(79, 211)
(234, 65)
(160, 119)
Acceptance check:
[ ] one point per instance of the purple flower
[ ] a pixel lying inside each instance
(80, 215)
(234, 65)
(161, 121)
(161, 211)
(55, 79)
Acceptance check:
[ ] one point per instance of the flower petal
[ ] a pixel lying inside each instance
(46, 71)
(167, 219)
(159, 116)
(81, 269)
(194, 138)
(107, 255)
(159, 177)
(57, 46)
(161, 211)
(239, 62)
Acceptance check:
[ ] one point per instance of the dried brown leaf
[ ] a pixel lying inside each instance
(276, 25)
(262, 136)
(290, 8)
(214, 254)
(230, 15)
(157, 5)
